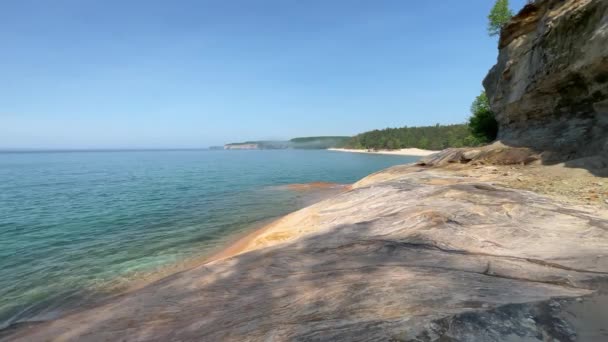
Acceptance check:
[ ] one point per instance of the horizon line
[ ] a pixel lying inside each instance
(103, 149)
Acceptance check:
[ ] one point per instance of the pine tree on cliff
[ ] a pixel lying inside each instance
(498, 17)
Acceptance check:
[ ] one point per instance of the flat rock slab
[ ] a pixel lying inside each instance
(408, 254)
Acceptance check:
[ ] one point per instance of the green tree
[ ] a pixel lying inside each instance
(482, 123)
(392, 144)
(432, 137)
(498, 17)
(424, 143)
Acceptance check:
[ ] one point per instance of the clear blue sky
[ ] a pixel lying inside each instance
(147, 73)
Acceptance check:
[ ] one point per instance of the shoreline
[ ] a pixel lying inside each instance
(233, 245)
(246, 242)
(240, 243)
(414, 152)
(294, 255)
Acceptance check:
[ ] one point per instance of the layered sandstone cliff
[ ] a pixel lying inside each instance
(549, 88)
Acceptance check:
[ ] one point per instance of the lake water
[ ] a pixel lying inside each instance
(74, 225)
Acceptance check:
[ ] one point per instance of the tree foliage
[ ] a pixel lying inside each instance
(482, 123)
(498, 17)
(429, 137)
(318, 142)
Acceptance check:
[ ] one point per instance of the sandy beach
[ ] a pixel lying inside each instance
(402, 152)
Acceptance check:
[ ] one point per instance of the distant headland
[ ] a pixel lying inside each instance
(428, 138)
(310, 143)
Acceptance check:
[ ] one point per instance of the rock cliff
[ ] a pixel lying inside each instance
(549, 88)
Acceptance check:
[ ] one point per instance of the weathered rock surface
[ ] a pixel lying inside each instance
(549, 88)
(409, 254)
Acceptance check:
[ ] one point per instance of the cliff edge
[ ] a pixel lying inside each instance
(549, 87)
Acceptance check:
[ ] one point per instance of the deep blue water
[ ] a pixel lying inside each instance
(74, 224)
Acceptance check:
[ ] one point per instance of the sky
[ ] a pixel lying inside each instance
(195, 73)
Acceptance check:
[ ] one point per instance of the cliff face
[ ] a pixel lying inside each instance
(549, 88)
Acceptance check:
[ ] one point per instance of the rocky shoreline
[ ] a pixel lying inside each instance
(404, 255)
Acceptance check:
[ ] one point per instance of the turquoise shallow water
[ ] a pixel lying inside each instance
(74, 223)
